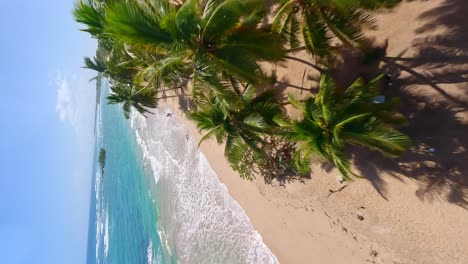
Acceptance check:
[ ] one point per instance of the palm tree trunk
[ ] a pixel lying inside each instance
(296, 49)
(172, 96)
(166, 90)
(306, 62)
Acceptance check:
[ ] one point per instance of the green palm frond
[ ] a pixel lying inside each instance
(338, 128)
(388, 141)
(140, 100)
(153, 76)
(316, 36)
(230, 60)
(95, 64)
(326, 99)
(321, 21)
(331, 120)
(226, 15)
(129, 22)
(249, 94)
(341, 163)
(88, 15)
(256, 122)
(235, 150)
(301, 162)
(188, 18)
(348, 27)
(255, 43)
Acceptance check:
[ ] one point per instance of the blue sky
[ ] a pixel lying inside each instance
(46, 133)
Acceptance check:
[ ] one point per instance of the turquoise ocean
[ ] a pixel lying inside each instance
(158, 200)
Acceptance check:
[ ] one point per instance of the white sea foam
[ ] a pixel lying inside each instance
(149, 252)
(97, 184)
(106, 234)
(99, 227)
(202, 223)
(165, 242)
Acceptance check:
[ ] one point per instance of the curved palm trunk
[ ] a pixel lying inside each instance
(321, 70)
(293, 50)
(172, 96)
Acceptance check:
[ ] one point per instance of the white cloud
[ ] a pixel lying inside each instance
(75, 105)
(66, 105)
(75, 100)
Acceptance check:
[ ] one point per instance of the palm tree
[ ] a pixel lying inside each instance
(210, 36)
(240, 126)
(95, 64)
(131, 97)
(319, 21)
(333, 119)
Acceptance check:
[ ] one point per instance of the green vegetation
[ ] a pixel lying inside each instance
(320, 22)
(332, 119)
(215, 50)
(102, 160)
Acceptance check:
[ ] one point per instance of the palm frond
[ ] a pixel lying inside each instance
(284, 20)
(341, 163)
(388, 141)
(188, 18)
(95, 64)
(325, 99)
(315, 35)
(154, 74)
(128, 22)
(88, 15)
(225, 16)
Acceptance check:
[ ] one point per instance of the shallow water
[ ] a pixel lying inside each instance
(159, 201)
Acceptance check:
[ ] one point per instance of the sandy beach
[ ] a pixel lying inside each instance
(409, 210)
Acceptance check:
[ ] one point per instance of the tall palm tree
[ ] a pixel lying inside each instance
(241, 127)
(131, 97)
(319, 21)
(210, 36)
(333, 119)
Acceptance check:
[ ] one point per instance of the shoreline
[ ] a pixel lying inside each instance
(393, 218)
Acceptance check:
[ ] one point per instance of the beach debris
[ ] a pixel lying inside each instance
(360, 217)
(335, 191)
(168, 114)
(432, 150)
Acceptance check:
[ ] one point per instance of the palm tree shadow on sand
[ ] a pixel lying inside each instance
(433, 86)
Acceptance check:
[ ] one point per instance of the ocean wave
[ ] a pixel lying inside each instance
(136, 118)
(106, 235)
(200, 219)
